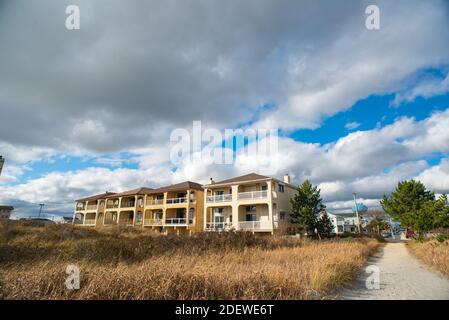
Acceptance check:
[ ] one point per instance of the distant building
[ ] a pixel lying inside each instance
(5, 212)
(347, 221)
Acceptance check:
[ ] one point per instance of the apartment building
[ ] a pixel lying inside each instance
(251, 202)
(5, 212)
(176, 208)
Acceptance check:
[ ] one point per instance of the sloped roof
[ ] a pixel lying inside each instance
(96, 197)
(246, 177)
(178, 187)
(138, 191)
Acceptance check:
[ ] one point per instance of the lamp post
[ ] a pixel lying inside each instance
(357, 212)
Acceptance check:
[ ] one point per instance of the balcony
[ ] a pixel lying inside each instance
(218, 226)
(255, 225)
(92, 207)
(152, 202)
(112, 206)
(89, 222)
(128, 204)
(176, 221)
(219, 198)
(252, 195)
(176, 200)
(152, 222)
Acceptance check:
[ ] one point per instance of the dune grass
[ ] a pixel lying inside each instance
(433, 253)
(133, 264)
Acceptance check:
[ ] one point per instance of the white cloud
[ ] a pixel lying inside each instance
(352, 125)
(425, 89)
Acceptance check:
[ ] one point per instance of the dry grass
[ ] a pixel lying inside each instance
(132, 264)
(433, 253)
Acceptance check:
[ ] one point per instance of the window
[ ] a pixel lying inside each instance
(282, 215)
(281, 188)
(264, 188)
(191, 215)
(250, 217)
(139, 218)
(158, 215)
(140, 202)
(250, 208)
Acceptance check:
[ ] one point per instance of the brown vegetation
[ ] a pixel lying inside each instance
(134, 264)
(433, 253)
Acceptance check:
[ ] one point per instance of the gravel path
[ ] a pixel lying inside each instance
(401, 277)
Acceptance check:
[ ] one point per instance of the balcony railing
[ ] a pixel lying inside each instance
(176, 200)
(127, 205)
(176, 221)
(151, 202)
(263, 194)
(89, 222)
(152, 222)
(92, 207)
(219, 198)
(112, 206)
(218, 226)
(255, 225)
(80, 208)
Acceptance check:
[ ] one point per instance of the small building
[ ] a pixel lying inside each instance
(5, 212)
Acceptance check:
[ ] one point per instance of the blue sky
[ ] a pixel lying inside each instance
(93, 109)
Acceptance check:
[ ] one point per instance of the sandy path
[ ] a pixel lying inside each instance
(401, 277)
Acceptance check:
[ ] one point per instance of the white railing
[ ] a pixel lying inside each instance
(152, 222)
(155, 201)
(219, 198)
(175, 221)
(176, 200)
(253, 195)
(218, 226)
(89, 222)
(92, 207)
(255, 225)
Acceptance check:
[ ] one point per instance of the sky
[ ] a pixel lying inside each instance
(92, 110)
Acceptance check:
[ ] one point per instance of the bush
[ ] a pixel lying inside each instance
(442, 237)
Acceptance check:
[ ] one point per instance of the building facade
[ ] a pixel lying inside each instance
(176, 208)
(5, 212)
(251, 202)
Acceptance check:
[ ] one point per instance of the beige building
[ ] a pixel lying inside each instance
(176, 208)
(251, 202)
(5, 212)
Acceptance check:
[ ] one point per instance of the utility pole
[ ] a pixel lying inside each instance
(357, 213)
(41, 206)
(2, 161)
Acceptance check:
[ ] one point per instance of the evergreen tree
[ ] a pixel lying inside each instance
(307, 206)
(406, 201)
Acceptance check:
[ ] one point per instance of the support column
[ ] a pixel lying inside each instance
(118, 210)
(270, 205)
(205, 210)
(235, 207)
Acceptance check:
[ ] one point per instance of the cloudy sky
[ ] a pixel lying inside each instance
(90, 110)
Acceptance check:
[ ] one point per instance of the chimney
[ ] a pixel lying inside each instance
(211, 180)
(287, 178)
